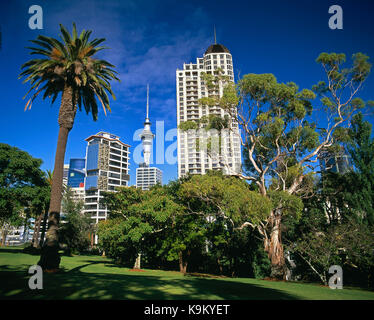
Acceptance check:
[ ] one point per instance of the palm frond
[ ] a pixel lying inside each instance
(70, 62)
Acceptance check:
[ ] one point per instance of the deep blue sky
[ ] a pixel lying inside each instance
(150, 39)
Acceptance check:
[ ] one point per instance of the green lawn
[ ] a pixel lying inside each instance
(93, 277)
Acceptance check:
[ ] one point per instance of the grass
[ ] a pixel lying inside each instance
(94, 277)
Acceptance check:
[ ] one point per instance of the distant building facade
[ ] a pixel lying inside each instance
(65, 174)
(337, 162)
(147, 177)
(107, 167)
(190, 88)
(77, 173)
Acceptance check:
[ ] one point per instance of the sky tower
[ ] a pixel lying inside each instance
(147, 176)
(147, 136)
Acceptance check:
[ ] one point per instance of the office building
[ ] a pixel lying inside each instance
(147, 177)
(191, 88)
(77, 173)
(107, 167)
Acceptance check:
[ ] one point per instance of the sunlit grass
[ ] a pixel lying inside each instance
(95, 277)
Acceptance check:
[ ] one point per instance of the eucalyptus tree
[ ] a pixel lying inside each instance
(66, 67)
(284, 131)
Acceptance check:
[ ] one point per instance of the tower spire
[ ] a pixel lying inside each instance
(147, 135)
(215, 39)
(147, 101)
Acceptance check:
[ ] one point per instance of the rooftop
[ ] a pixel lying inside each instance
(217, 48)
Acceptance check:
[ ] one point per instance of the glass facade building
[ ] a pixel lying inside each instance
(107, 167)
(76, 173)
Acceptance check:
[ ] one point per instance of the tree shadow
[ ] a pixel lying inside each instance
(11, 250)
(76, 284)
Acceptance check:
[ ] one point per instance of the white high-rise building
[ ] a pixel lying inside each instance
(147, 176)
(191, 88)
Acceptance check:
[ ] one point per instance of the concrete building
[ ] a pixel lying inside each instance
(191, 88)
(107, 167)
(65, 174)
(19, 235)
(147, 176)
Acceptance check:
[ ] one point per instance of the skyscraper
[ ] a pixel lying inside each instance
(191, 88)
(147, 176)
(107, 167)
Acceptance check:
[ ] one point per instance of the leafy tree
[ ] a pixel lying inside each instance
(76, 226)
(280, 136)
(186, 236)
(214, 194)
(21, 185)
(224, 200)
(66, 67)
(349, 243)
(360, 184)
(38, 209)
(137, 215)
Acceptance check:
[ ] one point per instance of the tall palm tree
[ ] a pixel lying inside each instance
(67, 67)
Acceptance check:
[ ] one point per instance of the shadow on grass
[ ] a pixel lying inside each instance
(76, 284)
(11, 250)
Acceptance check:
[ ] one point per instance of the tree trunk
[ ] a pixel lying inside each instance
(4, 235)
(50, 259)
(35, 237)
(219, 266)
(274, 247)
(183, 262)
(137, 264)
(44, 227)
(92, 239)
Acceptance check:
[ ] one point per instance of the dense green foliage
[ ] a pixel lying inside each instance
(76, 227)
(24, 192)
(337, 225)
(196, 222)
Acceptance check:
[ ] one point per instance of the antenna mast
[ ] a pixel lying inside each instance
(147, 100)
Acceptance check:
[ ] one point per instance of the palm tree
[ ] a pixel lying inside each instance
(67, 67)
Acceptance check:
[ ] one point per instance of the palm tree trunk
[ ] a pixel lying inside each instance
(50, 259)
